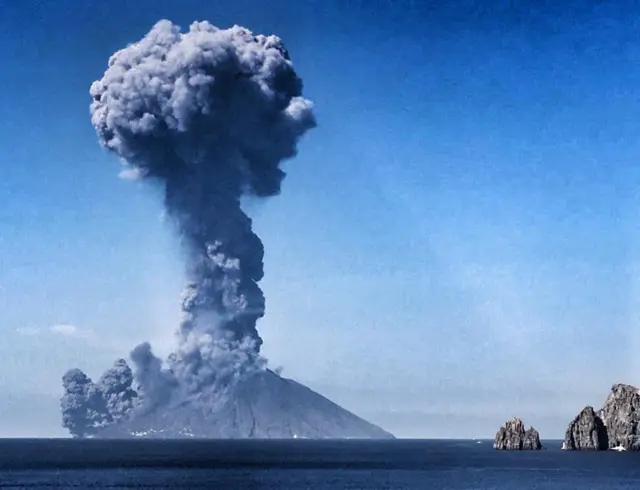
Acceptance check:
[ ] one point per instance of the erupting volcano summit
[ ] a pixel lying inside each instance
(209, 115)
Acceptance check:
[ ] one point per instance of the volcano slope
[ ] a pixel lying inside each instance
(262, 405)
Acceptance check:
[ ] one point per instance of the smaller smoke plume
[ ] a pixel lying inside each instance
(115, 388)
(155, 384)
(77, 403)
(87, 406)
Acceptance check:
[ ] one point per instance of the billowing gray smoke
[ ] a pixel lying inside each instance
(209, 115)
(87, 406)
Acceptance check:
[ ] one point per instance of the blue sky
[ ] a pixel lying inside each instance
(455, 244)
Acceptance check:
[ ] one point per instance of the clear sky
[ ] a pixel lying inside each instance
(455, 244)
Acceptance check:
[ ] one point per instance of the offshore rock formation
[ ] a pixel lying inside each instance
(513, 436)
(586, 432)
(621, 416)
(614, 426)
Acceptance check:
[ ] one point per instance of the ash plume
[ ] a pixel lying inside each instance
(115, 387)
(79, 414)
(209, 115)
(87, 406)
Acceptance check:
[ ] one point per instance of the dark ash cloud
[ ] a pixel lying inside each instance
(209, 115)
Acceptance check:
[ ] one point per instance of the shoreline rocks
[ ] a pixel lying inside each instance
(512, 436)
(615, 426)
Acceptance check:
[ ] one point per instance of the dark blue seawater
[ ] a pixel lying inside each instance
(309, 465)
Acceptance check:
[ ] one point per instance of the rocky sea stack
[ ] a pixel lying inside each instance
(614, 426)
(586, 432)
(513, 436)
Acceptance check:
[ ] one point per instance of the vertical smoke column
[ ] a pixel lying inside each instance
(210, 114)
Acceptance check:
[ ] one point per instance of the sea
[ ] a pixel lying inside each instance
(307, 464)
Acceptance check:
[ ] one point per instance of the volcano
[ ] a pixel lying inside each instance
(208, 115)
(262, 406)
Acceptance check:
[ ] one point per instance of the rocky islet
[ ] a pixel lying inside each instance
(513, 436)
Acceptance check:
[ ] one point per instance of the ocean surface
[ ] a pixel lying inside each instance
(309, 465)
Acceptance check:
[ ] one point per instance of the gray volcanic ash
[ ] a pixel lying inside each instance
(209, 115)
